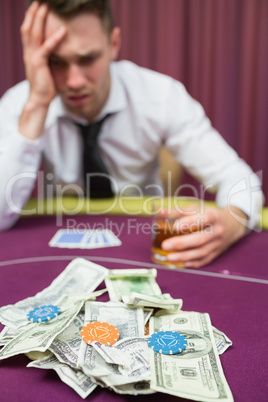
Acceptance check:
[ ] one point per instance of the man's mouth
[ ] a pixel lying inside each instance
(77, 99)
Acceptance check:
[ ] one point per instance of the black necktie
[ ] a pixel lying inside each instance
(97, 184)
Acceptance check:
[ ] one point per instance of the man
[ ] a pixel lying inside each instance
(69, 49)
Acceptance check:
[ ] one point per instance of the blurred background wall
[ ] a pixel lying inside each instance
(218, 49)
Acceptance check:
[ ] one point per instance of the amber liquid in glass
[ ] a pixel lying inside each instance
(163, 228)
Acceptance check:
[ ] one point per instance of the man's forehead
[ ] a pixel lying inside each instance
(53, 22)
(78, 24)
(84, 33)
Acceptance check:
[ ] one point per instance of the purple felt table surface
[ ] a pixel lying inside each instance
(233, 290)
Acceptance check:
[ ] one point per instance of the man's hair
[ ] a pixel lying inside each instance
(70, 8)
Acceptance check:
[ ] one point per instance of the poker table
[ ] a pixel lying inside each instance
(233, 290)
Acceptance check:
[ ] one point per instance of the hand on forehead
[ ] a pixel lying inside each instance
(52, 23)
(82, 29)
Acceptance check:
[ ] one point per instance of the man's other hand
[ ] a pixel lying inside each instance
(213, 232)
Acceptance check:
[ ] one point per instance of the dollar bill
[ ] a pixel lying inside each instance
(77, 380)
(132, 360)
(115, 377)
(164, 301)
(196, 373)
(80, 276)
(67, 344)
(136, 388)
(7, 334)
(129, 353)
(107, 375)
(222, 341)
(92, 363)
(129, 322)
(124, 281)
(39, 336)
(35, 355)
(147, 314)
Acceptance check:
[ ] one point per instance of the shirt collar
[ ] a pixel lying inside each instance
(117, 100)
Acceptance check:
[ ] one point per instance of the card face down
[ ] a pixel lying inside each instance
(86, 239)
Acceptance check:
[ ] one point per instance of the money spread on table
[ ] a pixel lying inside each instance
(137, 309)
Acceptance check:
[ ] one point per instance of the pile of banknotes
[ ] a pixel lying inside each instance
(137, 308)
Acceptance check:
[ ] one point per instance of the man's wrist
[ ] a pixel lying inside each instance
(239, 217)
(35, 103)
(32, 120)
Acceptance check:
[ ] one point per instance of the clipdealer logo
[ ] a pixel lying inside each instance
(50, 196)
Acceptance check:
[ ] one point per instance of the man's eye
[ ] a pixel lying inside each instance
(56, 63)
(88, 60)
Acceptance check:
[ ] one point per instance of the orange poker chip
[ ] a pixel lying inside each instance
(100, 331)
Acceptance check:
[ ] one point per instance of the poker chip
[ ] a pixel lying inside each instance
(43, 313)
(167, 342)
(100, 331)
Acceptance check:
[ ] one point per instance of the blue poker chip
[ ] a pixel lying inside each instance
(167, 342)
(43, 313)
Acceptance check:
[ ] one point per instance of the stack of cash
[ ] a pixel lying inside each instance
(137, 308)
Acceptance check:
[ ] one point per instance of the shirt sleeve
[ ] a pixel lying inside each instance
(19, 160)
(207, 156)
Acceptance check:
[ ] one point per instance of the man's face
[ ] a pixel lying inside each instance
(80, 63)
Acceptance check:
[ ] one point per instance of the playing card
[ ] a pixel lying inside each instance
(87, 239)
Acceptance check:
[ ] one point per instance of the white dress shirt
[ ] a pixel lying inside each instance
(148, 109)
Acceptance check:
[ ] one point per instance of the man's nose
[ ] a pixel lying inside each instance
(76, 78)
